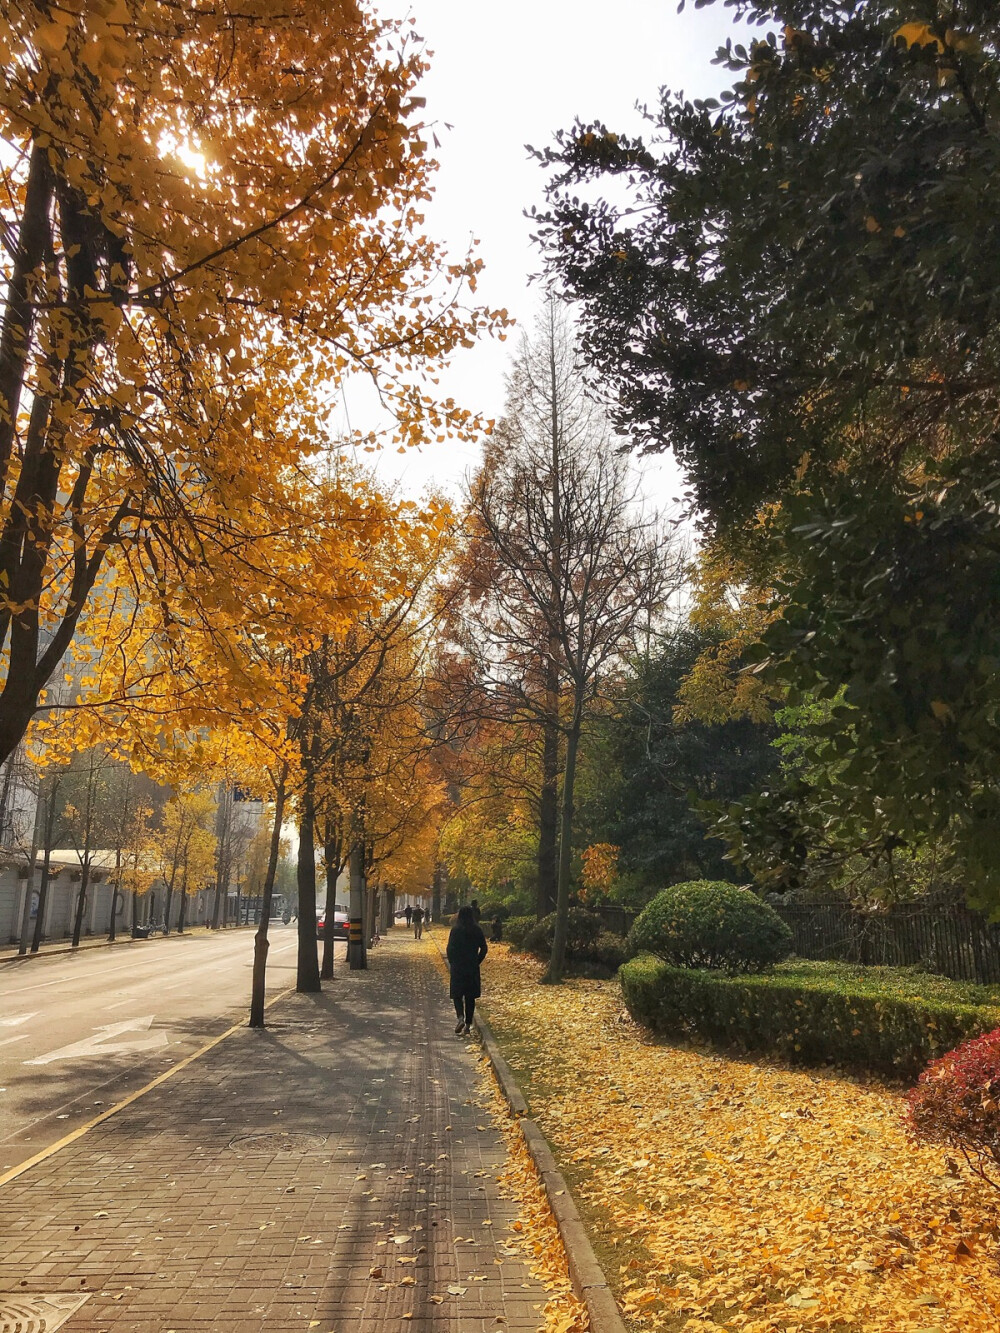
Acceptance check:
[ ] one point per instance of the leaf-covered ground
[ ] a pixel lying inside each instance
(729, 1194)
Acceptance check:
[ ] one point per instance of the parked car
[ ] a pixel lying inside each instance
(341, 923)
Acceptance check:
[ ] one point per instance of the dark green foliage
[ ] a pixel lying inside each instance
(515, 928)
(602, 958)
(769, 269)
(870, 1020)
(583, 928)
(891, 618)
(646, 774)
(590, 950)
(798, 292)
(711, 924)
(491, 908)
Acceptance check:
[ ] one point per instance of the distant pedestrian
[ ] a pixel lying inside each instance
(496, 937)
(475, 910)
(467, 948)
(408, 913)
(418, 922)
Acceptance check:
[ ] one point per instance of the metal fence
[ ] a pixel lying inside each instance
(615, 918)
(952, 941)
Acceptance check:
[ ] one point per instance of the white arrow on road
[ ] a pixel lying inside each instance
(103, 1042)
(15, 1022)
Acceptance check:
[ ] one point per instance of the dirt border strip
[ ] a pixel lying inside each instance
(586, 1274)
(80, 1130)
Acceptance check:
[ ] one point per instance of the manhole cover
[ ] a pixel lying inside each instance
(269, 1144)
(34, 1313)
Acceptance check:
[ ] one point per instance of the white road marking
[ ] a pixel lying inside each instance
(100, 973)
(9, 1041)
(103, 1043)
(16, 1022)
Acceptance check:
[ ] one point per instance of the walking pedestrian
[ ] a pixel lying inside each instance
(496, 937)
(474, 906)
(467, 948)
(408, 914)
(418, 922)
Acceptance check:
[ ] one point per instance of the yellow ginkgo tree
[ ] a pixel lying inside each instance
(198, 250)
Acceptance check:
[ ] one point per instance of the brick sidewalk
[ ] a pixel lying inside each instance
(261, 1187)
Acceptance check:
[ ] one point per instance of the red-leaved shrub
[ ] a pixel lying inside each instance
(957, 1103)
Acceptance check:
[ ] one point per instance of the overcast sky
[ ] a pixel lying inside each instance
(512, 74)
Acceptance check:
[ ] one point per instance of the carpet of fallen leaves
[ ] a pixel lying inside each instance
(536, 1230)
(736, 1195)
(535, 1234)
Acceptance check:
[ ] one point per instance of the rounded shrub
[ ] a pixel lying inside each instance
(516, 928)
(583, 928)
(957, 1103)
(713, 924)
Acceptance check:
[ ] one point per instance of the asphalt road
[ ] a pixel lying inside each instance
(79, 1032)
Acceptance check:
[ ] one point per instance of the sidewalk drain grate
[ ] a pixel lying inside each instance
(37, 1313)
(269, 1144)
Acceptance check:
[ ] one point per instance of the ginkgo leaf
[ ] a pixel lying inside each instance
(918, 34)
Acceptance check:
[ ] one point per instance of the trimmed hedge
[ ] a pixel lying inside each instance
(714, 924)
(866, 1020)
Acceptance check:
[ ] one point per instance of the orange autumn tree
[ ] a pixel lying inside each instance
(199, 249)
(361, 734)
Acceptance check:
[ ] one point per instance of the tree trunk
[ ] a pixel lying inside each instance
(181, 915)
(81, 901)
(557, 962)
(548, 821)
(436, 893)
(307, 979)
(43, 888)
(22, 944)
(371, 913)
(43, 897)
(222, 830)
(261, 944)
(357, 954)
(331, 854)
(167, 909)
(116, 890)
(19, 306)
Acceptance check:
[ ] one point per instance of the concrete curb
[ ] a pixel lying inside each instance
(586, 1274)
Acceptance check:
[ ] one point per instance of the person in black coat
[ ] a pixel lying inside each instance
(467, 948)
